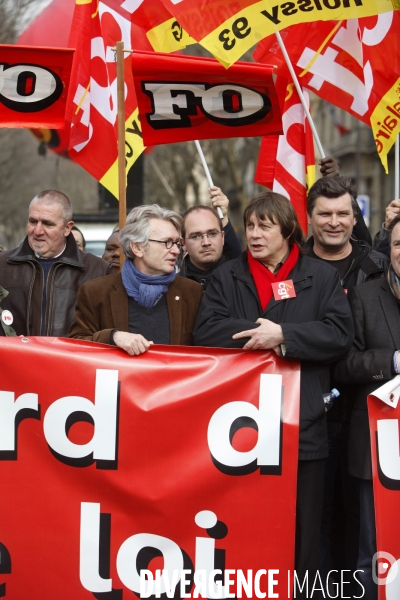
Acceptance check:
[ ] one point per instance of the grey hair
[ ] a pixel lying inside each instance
(137, 228)
(55, 197)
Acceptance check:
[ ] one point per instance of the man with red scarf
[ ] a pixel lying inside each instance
(311, 322)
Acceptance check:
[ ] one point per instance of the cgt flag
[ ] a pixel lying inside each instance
(181, 459)
(187, 98)
(346, 64)
(34, 86)
(286, 163)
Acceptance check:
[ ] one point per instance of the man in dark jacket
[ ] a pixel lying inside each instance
(373, 360)
(44, 273)
(208, 240)
(239, 311)
(332, 213)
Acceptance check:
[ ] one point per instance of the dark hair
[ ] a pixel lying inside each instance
(392, 225)
(194, 208)
(332, 187)
(278, 210)
(75, 228)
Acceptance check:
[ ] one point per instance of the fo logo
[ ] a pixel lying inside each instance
(28, 88)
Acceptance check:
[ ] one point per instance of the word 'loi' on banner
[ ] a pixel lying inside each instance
(188, 98)
(181, 459)
(34, 86)
(384, 422)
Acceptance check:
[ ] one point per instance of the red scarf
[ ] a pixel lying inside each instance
(263, 278)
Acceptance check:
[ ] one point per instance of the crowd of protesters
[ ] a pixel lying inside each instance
(340, 320)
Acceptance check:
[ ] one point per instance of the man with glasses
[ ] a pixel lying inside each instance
(145, 303)
(208, 240)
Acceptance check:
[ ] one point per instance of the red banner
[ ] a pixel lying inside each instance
(34, 86)
(178, 459)
(184, 98)
(384, 427)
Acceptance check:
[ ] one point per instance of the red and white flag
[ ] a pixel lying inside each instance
(286, 163)
(346, 63)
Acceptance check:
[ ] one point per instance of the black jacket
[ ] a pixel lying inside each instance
(317, 328)
(369, 364)
(22, 275)
(367, 264)
(232, 249)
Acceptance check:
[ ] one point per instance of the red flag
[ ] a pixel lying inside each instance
(34, 86)
(286, 163)
(346, 63)
(184, 98)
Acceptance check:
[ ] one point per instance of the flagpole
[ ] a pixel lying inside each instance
(300, 92)
(397, 167)
(121, 134)
(207, 172)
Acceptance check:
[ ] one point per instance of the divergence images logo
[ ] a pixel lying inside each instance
(28, 88)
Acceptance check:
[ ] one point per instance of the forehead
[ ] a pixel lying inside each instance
(199, 220)
(253, 218)
(163, 229)
(45, 210)
(113, 239)
(322, 203)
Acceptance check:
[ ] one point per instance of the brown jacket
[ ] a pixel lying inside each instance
(102, 306)
(22, 276)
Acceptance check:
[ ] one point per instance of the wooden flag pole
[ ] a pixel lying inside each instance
(121, 136)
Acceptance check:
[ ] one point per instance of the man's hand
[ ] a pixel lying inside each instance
(133, 343)
(392, 210)
(329, 167)
(219, 199)
(265, 337)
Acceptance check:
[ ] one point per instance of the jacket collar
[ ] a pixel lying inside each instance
(70, 256)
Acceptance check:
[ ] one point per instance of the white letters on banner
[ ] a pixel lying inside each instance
(228, 104)
(388, 445)
(28, 88)
(231, 417)
(61, 415)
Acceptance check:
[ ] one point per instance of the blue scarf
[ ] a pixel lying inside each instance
(145, 289)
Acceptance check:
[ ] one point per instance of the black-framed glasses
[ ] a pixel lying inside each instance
(168, 243)
(197, 237)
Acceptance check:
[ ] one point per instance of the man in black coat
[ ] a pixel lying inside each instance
(372, 361)
(239, 311)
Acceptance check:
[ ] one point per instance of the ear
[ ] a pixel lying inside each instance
(223, 236)
(68, 227)
(308, 219)
(183, 244)
(136, 249)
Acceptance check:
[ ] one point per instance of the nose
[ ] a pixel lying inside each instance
(175, 249)
(205, 240)
(38, 229)
(115, 253)
(334, 222)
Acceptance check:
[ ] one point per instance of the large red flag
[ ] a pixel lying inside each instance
(229, 28)
(286, 163)
(347, 65)
(185, 98)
